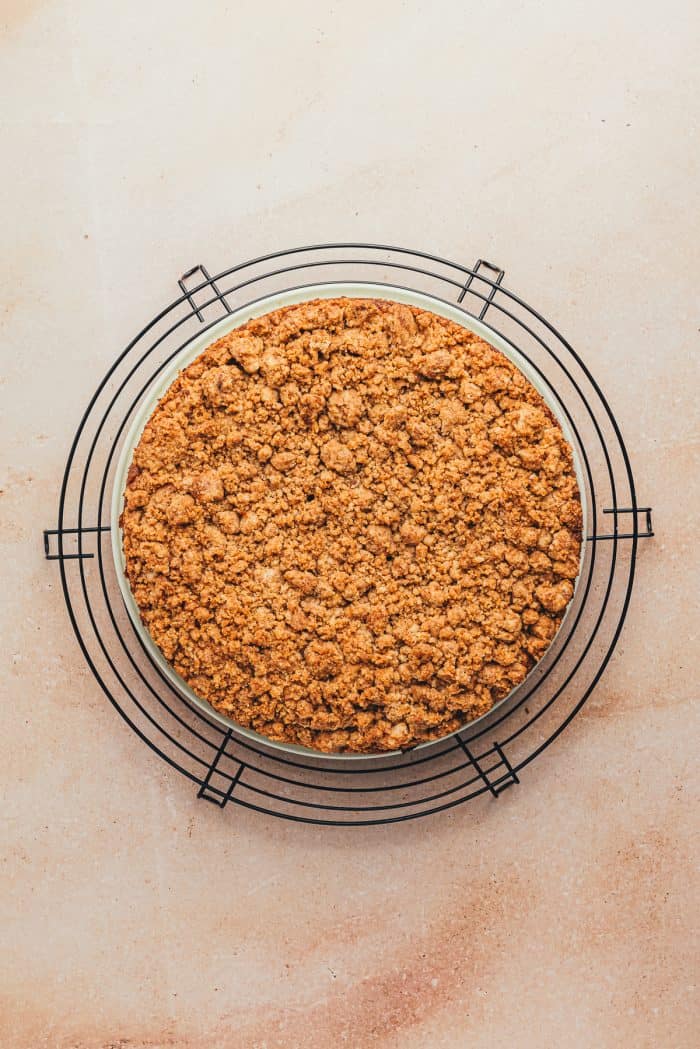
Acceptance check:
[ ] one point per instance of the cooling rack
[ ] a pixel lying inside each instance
(487, 757)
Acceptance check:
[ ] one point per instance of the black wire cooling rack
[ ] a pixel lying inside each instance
(227, 768)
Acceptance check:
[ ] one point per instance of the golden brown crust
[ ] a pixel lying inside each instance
(352, 524)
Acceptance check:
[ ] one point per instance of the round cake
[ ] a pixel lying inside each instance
(352, 525)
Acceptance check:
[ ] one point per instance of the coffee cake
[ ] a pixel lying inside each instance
(352, 524)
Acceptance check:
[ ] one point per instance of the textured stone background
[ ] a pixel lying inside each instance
(559, 140)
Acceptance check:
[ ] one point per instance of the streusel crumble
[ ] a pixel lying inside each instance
(353, 525)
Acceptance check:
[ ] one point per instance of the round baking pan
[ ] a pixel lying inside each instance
(237, 319)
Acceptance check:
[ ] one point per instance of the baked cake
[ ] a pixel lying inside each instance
(353, 525)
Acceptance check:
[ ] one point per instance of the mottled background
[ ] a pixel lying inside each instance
(558, 140)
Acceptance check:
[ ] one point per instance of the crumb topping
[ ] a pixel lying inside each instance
(352, 524)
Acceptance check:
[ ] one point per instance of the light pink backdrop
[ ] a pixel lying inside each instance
(557, 140)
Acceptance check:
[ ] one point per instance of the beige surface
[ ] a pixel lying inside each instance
(558, 140)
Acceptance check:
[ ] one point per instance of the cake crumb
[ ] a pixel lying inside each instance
(352, 525)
